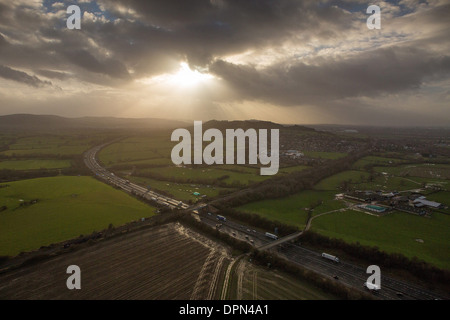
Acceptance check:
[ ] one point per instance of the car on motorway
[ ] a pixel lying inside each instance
(221, 218)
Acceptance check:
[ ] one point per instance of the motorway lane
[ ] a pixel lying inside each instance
(348, 274)
(109, 177)
(237, 230)
(313, 260)
(355, 275)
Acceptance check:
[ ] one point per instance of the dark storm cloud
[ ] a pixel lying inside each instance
(86, 60)
(23, 77)
(204, 29)
(382, 71)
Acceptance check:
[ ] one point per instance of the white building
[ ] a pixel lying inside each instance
(294, 154)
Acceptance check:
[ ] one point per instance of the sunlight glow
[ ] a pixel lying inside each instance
(183, 78)
(188, 77)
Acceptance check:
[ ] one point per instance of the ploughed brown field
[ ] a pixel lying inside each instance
(165, 262)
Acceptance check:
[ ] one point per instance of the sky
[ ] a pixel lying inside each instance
(287, 61)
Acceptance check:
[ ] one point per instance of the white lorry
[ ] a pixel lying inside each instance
(272, 236)
(330, 257)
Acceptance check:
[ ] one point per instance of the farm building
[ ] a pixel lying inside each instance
(421, 202)
(390, 194)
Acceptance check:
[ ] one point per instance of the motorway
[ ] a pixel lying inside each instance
(355, 276)
(346, 273)
(90, 159)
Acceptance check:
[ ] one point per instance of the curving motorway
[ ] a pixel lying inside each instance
(90, 159)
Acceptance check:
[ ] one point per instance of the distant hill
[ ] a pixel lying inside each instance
(51, 123)
(29, 122)
(244, 124)
(251, 124)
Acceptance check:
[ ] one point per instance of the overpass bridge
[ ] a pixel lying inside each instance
(277, 242)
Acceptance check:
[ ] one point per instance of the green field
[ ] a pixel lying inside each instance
(333, 182)
(204, 173)
(137, 150)
(63, 145)
(291, 210)
(396, 232)
(292, 169)
(441, 196)
(180, 191)
(155, 162)
(33, 164)
(66, 208)
(380, 161)
(359, 180)
(430, 171)
(389, 183)
(325, 155)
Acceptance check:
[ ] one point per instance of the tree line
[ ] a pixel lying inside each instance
(282, 186)
(260, 222)
(218, 182)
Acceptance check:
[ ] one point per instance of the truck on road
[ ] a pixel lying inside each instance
(330, 257)
(272, 236)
